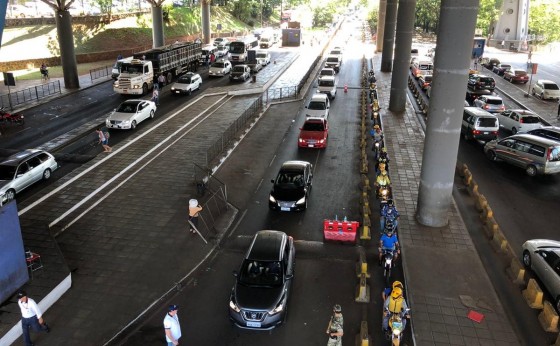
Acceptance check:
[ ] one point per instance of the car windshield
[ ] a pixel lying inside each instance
(335, 52)
(326, 83)
(261, 55)
(486, 80)
(238, 69)
(550, 86)
(185, 80)
(261, 273)
(487, 122)
(327, 72)
(554, 154)
(520, 73)
(313, 126)
(7, 172)
(127, 108)
(317, 105)
(332, 59)
(494, 101)
(219, 65)
(530, 120)
(290, 178)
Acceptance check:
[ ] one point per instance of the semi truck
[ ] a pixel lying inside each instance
(138, 75)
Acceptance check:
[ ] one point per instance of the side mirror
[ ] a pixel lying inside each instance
(289, 276)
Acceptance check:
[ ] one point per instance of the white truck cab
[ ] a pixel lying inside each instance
(136, 78)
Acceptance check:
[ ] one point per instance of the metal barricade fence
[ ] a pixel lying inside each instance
(212, 207)
(30, 94)
(100, 72)
(232, 132)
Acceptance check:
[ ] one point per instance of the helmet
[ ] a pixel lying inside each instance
(396, 293)
(337, 308)
(390, 202)
(383, 150)
(383, 172)
(376, 126)
(397, 284)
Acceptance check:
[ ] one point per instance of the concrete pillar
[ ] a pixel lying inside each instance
(158, 36)
(381, 24)
(206, 21)
(389, 36)
(67, 53)
(403, 42)
(451, 65)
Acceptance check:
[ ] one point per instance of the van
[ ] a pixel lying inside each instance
(207, 51)
(422, 65)
(334, 62)
(327, 85)
(479, 125)
(536, 155)
(318, 106)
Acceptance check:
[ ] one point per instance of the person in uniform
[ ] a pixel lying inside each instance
(335, 327)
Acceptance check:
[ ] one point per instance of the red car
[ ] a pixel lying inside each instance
(516, 76)
(314, 133)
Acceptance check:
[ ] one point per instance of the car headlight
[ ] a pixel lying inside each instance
(301, 200)
(126, 122)
(173, 88)
(272, 199)
(301, 140)
(277, 309)
(116, 84)
(396, 331)
(233, 306)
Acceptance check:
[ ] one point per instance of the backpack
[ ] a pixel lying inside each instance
(106, 134)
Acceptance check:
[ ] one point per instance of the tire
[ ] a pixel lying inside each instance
(513, 130)
(46, 174)
(533, 92)
(526, 259)
(10, 195)
(189, 92)
(531, 170)
(20, 121)
(152, 114)
(133, 125)
(491, 155)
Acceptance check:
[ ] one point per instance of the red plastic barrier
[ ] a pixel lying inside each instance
(340, 230)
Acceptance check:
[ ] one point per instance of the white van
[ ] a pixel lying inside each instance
(479, 124)
(421, 66)
(327, 85)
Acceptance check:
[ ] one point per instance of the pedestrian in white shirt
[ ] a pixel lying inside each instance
(31, 317)
(172, 326)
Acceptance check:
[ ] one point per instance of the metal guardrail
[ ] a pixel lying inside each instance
(100, 72)
(33, 93)
(283, 93)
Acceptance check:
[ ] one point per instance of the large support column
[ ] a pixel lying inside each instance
(206, 20)
(67, 53)
(389, 36)
(452, 60)
(158, 36)
(381, 24)
(403, 42)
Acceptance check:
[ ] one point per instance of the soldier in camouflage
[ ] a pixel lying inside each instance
(335, 328)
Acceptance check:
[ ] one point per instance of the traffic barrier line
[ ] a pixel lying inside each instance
(473, 189)
(516, 271)
(549, 318)
(367, 221)
(499, 241)
(486, 213)
(467, 177)
(362, 339)
(491, 227)
(364, 166)
(365, 235)
(533, 295)
(361, 266)
(366, 211)
(480, 202)
(365, 183)
(362, 291)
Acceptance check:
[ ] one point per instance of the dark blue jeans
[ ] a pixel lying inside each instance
(31, 322)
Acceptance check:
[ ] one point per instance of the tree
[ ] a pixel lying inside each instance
(544, 20)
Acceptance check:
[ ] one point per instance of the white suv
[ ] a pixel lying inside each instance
(187, 83)
(327, 85)
(546, 89)
(318, 106)
(220, 68)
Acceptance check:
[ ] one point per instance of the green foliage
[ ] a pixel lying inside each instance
(104, 5)
(372, 18)
(52, 45)
(544, 20)
(322, 17)
(427, 15)
(488, 13)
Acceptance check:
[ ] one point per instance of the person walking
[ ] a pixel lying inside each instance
(335, 327)
(172, 326)
(155, 96)
(31, 317)
(103, 140)
(212, 58)
(161, 81)
(194, 212)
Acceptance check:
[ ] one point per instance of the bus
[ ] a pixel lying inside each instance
(238, 49)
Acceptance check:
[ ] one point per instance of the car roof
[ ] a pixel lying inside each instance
(530, 137)
(17, 158)
(318, 97)
(480, 92)
(327, 77)
(267, 246)
(523, 112)
(492, 97)
(479, 112)
(315, 120)
(294, 165)
(546, 81)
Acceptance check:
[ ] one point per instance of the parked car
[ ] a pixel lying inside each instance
(23, 169)
(500, 69)
(425, 81)
(327, 85)
(519, 120)
(536, 155)
(546, 90)
(263, 57)
(472, 95)
(292, 186)
(327, 71)
(187, 83)
(334, 62)
(240, 73)
(542, 256)
(491, 104)
(130, 113)
(314, 133)
(549, 132)
(219, 68)
(516, 76)
(318, 106)
(259, 297)
(479, 81)
(221, 51)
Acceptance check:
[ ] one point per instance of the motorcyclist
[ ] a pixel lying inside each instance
(395, 304)
(389, 211)
(377, 136)
(382, 180)
(382, 161)
(387, 291)
(389, 242)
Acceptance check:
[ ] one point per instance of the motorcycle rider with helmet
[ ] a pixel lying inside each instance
(382, 161)
(395, 304)
(389, 212)
(387, 291)
(389, 242)
(382, 180)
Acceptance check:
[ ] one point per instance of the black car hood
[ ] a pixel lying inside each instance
(257, 298)
(287, 194)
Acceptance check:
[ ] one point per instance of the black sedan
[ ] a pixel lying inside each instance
(292, 186)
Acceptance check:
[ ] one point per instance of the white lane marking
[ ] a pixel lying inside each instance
(58, 189)
(237, 224)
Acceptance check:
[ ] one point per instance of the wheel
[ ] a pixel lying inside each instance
(46, 174)
(10, 195)
(189, 92)
(526, 259)
(514, 130)
(133, 125)
(531, 170)
(199, 85)
(491, 155)
(533, 92)
(152, 114)
(144, 89)
(542, 96)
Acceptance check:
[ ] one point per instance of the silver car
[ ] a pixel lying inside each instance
(130, 113)
(542, 256)
(23, 169)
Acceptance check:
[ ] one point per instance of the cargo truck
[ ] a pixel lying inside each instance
(138, 76)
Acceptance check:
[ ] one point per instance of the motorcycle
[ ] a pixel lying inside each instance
(6, 117)
(376, 149)
(387, 257)
(396, 327)
(384, 194)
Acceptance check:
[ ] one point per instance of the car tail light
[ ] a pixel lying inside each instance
(521, 120)
(476, 132)
(502, 108)
(486, 106)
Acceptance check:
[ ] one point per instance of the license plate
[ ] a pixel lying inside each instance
(485, 133)
(177, 91)
(254, 324)
(284, 209)
(311, 145)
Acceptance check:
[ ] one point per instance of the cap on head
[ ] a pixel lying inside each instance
(21, 294)
(193, 203)
(337, 308)
(173, 307)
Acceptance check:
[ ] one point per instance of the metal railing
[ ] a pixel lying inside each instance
(276, 94)
(232, 132)
(100, 72)
(30, 94)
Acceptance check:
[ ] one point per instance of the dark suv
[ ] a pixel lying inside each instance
(259, 297)
(479, 81)
(292, 186)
